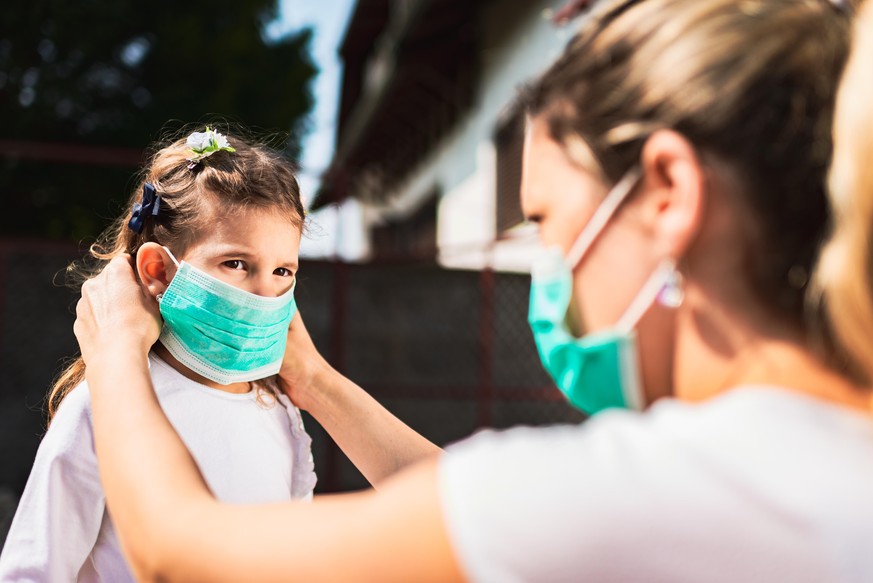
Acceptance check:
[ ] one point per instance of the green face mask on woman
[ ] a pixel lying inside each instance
(600, 370)
(221, 332)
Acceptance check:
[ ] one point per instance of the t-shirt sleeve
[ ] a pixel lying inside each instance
(61, 510)
(303, 478)
(548, 504)
(753, 486)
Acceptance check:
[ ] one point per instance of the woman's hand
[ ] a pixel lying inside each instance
(302, 366)
(115, 311)
(377, 442)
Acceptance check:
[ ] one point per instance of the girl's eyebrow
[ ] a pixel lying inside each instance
(228, 248)
(233, 252)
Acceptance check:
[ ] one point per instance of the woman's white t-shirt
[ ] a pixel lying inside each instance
(758, 485)
(248, 452)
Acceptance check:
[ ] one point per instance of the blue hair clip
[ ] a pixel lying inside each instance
(149, 207)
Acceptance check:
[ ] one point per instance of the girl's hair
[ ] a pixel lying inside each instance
(845, 272)
(193, 196)
(751, 83)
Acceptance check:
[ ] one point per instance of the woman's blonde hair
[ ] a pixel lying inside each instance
(845, 272)
(749, 82)
(193, 197)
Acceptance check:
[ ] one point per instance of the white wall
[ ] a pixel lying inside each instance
(336, 232)
(518, 40)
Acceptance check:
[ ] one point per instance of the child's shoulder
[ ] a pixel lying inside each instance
(75, 408)
(165, 379)
(70, 433)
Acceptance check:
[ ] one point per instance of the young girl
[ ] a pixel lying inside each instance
(214, 227)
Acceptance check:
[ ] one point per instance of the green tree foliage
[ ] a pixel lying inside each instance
(113, 73)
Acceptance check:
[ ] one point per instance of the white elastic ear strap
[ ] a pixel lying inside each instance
(598, 220)
(173, 257)
(647, 295)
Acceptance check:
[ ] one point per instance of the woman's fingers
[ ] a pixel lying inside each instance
(301, 363)
(115, 307)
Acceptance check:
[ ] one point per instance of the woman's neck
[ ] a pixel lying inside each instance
(718, 349)
(236, 388)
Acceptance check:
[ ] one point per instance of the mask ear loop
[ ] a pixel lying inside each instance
(173, 257)
(602, 215)
(653, 287)
(160, 296)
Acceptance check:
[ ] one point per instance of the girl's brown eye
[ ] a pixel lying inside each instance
(235, 264)
(283, 272)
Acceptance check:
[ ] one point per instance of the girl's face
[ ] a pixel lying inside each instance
(255, 250)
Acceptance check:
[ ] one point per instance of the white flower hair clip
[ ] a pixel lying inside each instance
(205, 144)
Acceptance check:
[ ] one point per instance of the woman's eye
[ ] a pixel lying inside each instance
(283, 272)
(235, 264)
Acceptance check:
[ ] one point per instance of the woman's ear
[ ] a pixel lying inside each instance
(675, 177)
(154, 267)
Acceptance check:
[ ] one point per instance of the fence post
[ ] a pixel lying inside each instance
(4, 266)
(339, 303)
(487, 281)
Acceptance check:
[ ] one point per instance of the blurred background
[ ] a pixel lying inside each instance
(401, 117)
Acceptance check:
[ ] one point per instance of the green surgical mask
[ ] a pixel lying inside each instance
(221, 332)
(600, 370)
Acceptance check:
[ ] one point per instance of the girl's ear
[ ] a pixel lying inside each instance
(154, 267)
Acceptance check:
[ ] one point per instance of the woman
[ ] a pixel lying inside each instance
(675, 162)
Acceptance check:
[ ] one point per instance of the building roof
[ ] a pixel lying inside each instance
(408, 76)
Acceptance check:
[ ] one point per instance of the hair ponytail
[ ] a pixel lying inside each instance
(844, 276)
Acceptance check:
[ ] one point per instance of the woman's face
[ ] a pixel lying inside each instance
(561, 196)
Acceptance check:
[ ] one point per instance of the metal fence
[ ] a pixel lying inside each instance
(447, 351)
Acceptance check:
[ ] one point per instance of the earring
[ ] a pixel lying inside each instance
(672, 294)
(159, 297)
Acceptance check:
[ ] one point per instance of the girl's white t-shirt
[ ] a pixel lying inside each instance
(758, 485)
(248, 452)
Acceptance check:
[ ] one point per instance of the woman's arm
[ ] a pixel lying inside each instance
(377, 442)
(173, 529)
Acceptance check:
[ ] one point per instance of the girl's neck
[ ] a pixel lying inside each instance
(236, 388)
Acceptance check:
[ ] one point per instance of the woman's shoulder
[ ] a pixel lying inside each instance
(744, 462)
(748, 428)
(751, 424)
